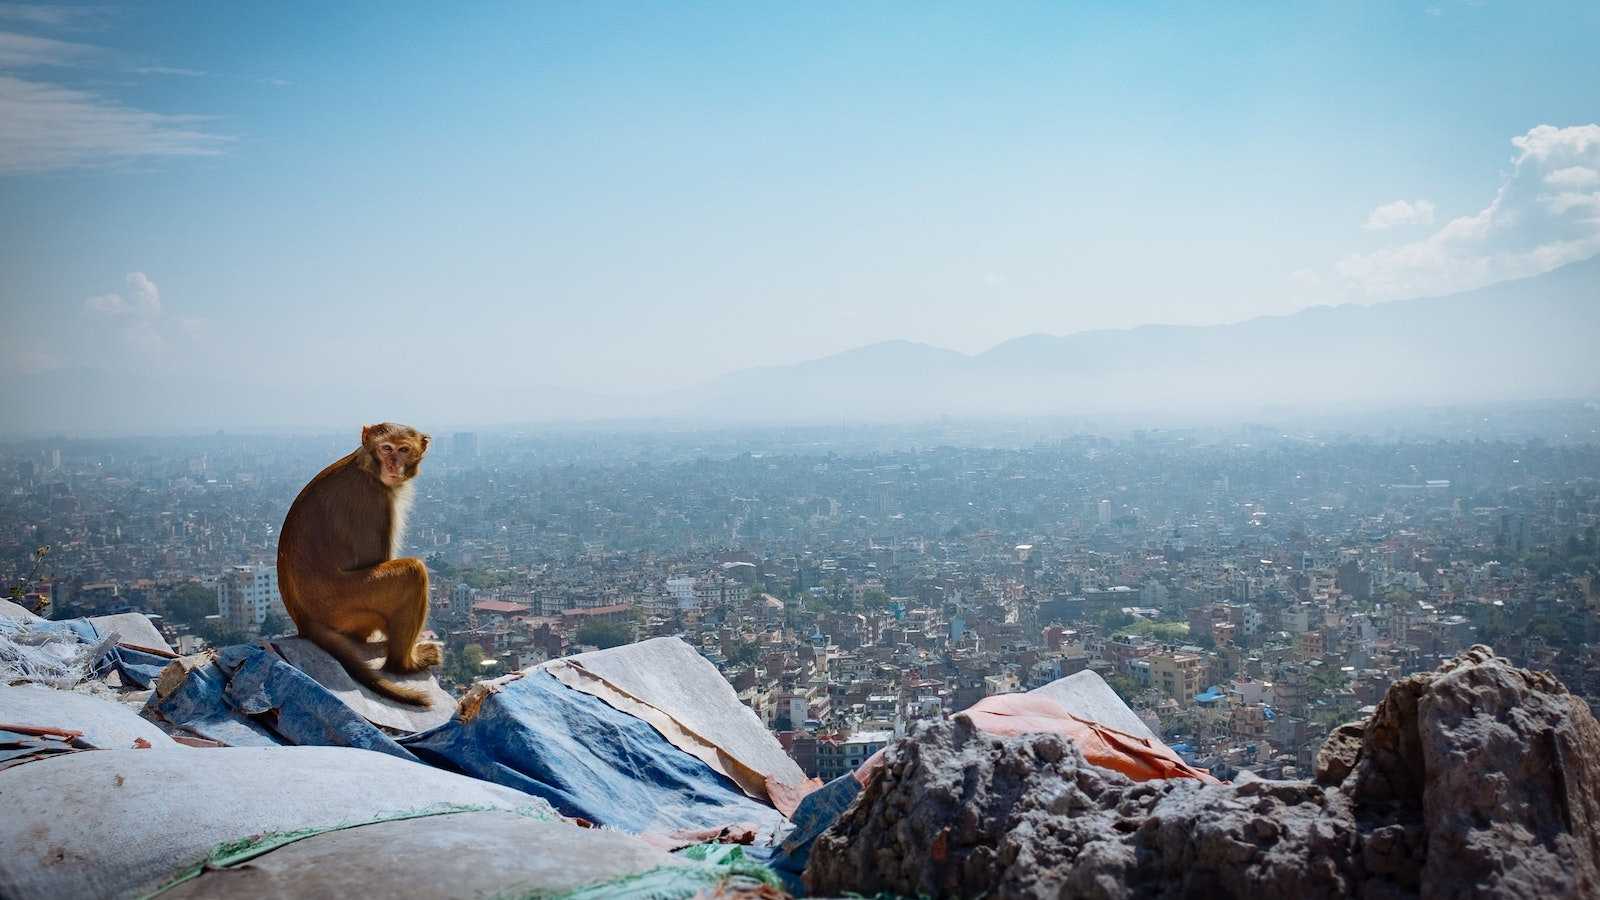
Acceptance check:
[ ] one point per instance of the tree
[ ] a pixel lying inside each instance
(190, 603)
(746, 652)
(274, 625)
(220, 635)
(604, 634)
(1125, 687)
(874, 599)
(463, 666)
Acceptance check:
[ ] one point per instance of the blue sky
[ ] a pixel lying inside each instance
(630, 197)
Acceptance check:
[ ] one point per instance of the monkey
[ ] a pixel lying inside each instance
(337, 569)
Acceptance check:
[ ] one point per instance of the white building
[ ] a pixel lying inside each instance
(246, 594)
(681, 589)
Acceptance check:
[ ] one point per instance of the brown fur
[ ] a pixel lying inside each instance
(336, 566)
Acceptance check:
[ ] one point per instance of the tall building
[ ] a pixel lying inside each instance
(466, 445)
(681, 589)
(246, 594)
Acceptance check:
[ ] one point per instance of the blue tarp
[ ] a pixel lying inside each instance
(815, 814)
(533, 733)
(250, 697)
(589, 760)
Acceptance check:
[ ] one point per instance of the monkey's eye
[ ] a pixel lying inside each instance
(387, 448)
(404, 450)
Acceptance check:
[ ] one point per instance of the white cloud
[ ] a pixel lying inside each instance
(1400, 212)
(21, 51)
(45, 127)
(143, 300)
(1573, 177)
(169, 70)
(135, 320)
(51, 16)
(1527, 229)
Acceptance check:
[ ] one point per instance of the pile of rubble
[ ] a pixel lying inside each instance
(1477, 780)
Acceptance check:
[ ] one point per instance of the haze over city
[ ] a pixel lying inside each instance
(301, 216)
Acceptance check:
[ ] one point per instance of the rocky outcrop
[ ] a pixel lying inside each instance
(1477, 780)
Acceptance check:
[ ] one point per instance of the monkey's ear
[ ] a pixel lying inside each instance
(425, 440)
(366, 432)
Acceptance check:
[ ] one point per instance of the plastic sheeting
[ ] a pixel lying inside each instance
(533, 733)
(105, 724)
(375, 708)
(115, 822)
(248, 696)
(9, 610)
(464, 854)
(667, 683)
(815, 814)
(1087, 696)
(64, 652)
(1141, 759)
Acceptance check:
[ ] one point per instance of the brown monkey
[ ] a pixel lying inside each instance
(336, 566)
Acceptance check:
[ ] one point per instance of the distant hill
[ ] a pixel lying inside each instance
(1529, 339)
(1538, 338)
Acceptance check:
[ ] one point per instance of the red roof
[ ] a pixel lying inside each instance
(500, 606)
(599, 610)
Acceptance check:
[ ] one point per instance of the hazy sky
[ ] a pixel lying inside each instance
(631, 196)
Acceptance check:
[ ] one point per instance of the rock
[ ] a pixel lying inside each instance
(1478, 780)
(1494, 772)
(1338, 756)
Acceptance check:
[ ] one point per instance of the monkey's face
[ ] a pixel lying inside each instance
(395, 451)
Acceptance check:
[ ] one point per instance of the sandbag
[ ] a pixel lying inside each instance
(105, 724)
(467, 854)
(115, 822)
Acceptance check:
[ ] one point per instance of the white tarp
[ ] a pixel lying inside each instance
(109, 823)
(106, 724)
(473, 854)
(132, 628)
(1087, 696)
(11, 610)
(377, 709)
(671, 677)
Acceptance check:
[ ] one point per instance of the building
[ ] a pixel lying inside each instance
(1177, 674)
(681, 590)
(835, 758)
(246, 595)
(466, 445)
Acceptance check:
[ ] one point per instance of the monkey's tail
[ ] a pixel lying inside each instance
(349, 655)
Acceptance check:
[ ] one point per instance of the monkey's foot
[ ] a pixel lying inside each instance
(423, 656)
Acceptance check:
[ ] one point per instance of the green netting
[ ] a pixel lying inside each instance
(232, 853)
(725, 867)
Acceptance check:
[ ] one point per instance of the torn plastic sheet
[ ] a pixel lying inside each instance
(248, 696)
(62, 653)
(589, 760)
(815, 814)
(667, 683)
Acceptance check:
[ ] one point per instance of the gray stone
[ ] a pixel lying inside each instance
(1478, 780)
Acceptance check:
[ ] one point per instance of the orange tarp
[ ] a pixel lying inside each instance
(1138, 758)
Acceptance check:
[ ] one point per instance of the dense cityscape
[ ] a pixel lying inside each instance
(1244, 589)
